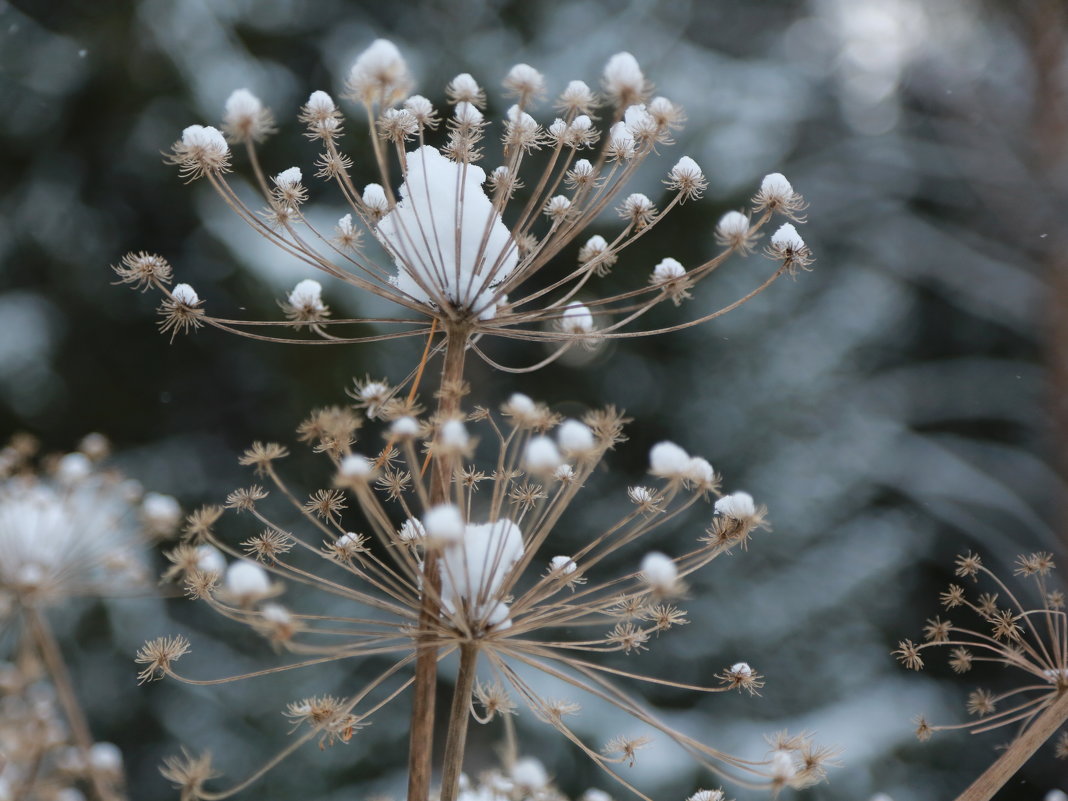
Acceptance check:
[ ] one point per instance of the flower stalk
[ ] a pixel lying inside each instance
(72, 710)
(459, 716)
(421, 737)
(1022, 749)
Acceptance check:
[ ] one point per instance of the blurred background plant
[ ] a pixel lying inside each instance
(901, 404)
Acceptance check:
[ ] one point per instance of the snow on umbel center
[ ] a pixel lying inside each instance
(449, 243)
(469, 210)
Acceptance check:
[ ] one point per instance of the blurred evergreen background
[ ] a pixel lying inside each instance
(903, 402)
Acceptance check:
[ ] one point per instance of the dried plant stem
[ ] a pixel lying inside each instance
(72, 710)
(421, 736)
(459, 716)
(1021, 750)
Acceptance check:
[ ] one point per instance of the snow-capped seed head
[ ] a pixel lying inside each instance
(453, 436)
(667, 115)
(639, 122)
(776, 194)
(346, 235)
(465, 89)
(288, 188)
(582, 173)
(503, 180)
(733, 230)
(307, 294)
(520, 405)
(530, 774)
(557, 207)
(522, 130)
(575, 438)
(160, 513)
(374, 199)
(210, 560)
(576, 98)
(565, 474)
(185, 294)
(595, 247)
(241, 104)
(207, 138)
(443, 524)
(577, 134)
(623, 79)
(741, 668)
(245, 118)
(380, 75)
(564, 565)
(467, 114)
(596, 255)
(641, 496)
(397, 125)
(659, 572)
(411, 530)
(668, 460)
(593, 794)
(667, 270)
(422, 110)
(74, 467)
(576, 319)
(775, 185)
(321, 115)
(95, 445)
(787, 245)
(404, 427)
(201, 149)
(246, 582)
(737, 506)
(687, 179)
(581, 123)
(699, 472)
(320, 104)
(620, 142)
(288, 178)
(541, 455)
(355, 467)
(525, 82)
(637, 209)
(787, 238)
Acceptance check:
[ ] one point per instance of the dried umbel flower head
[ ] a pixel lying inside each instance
(502, 596)
(70, 529)
(467, 226)
(1007, 629)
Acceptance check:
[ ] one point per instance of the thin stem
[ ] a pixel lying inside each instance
(1021, 750)
(459, 716)
(79, 727)
(421, 739)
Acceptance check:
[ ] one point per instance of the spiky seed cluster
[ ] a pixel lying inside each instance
(1033, 639)
(465, 243)
(501, 589)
